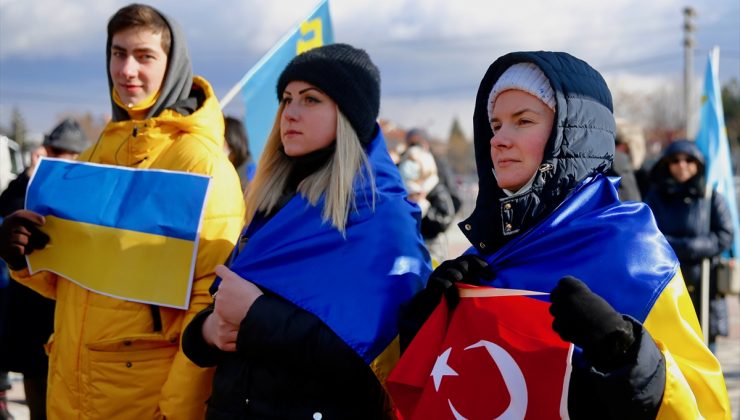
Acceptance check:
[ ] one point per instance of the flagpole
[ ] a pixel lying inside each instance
(706, 265)
(240, 84)
(704, 298)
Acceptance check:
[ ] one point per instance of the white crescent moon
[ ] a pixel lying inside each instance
(455, 413)
(513, 378)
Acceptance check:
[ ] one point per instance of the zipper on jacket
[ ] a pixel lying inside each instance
(134, 133)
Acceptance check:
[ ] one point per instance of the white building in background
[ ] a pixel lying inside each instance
(11, 161)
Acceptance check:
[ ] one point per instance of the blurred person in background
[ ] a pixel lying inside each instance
(630, 140)
(419, 173)
(237, 148)
(5, 384)
(622, 166)
(420, 137)
(697, 225)
(30, 316)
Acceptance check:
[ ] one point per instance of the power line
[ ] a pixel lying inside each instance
(662, 59)
(641, 62)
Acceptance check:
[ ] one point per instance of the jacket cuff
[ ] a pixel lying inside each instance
(264, 311)
(195, 346)
(19, 269)
(636, 388)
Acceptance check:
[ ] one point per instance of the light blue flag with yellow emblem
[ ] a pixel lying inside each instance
(127, 233)
(712, 141)
(259, 84)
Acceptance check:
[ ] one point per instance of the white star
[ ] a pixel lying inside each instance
(441, 368)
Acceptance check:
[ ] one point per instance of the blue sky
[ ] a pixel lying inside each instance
(431, 53)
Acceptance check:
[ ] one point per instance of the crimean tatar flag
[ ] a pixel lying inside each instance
(121, 232)
(259, 83)
(711, 139)
(494, 356)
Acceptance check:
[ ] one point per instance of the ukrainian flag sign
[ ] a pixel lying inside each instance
(127, 233)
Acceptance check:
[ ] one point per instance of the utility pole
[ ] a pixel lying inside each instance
(688, 46)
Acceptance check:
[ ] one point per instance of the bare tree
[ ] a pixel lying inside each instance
(665, 112)
(460, 151)
(631, 106)
(18, 129)
(731, 106)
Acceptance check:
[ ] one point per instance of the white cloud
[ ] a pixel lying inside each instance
(43, 28)
(47, 27)
(432, 53)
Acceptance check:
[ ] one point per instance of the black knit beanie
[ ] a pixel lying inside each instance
(347, 75)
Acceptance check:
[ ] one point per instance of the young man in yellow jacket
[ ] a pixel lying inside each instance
(113, 358)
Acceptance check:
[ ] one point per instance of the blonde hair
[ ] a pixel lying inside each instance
(335, 180)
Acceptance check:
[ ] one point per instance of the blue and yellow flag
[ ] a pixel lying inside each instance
(126, 233)
(260, 82)
(617, 250)
(711, 139)
(355, 283)
(614, 247)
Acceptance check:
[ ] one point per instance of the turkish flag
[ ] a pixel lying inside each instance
(494, 356)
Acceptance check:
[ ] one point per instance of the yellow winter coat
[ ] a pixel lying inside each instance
(106, 359)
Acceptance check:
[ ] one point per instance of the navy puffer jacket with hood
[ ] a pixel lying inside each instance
(696, 226)
(581, 144)
(681, 379)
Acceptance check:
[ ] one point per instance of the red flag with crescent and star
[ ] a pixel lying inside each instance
(494, 357)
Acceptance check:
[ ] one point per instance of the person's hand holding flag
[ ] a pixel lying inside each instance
(468, 268)
(591, 323)
(19, 236)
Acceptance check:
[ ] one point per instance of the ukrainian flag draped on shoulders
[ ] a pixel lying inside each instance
(595, 237)
(354, 283)
(592, 235)
(569, 221)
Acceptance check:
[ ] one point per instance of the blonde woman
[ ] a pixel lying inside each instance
(304, 320)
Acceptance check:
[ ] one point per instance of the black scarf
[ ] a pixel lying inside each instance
(307, 164)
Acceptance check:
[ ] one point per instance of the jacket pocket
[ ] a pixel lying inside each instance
(125, 376)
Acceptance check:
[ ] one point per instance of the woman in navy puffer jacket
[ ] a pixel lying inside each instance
(695, 225)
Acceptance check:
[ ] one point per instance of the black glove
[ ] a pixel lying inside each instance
(588, 321)
(20, 236)
(468, 269)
